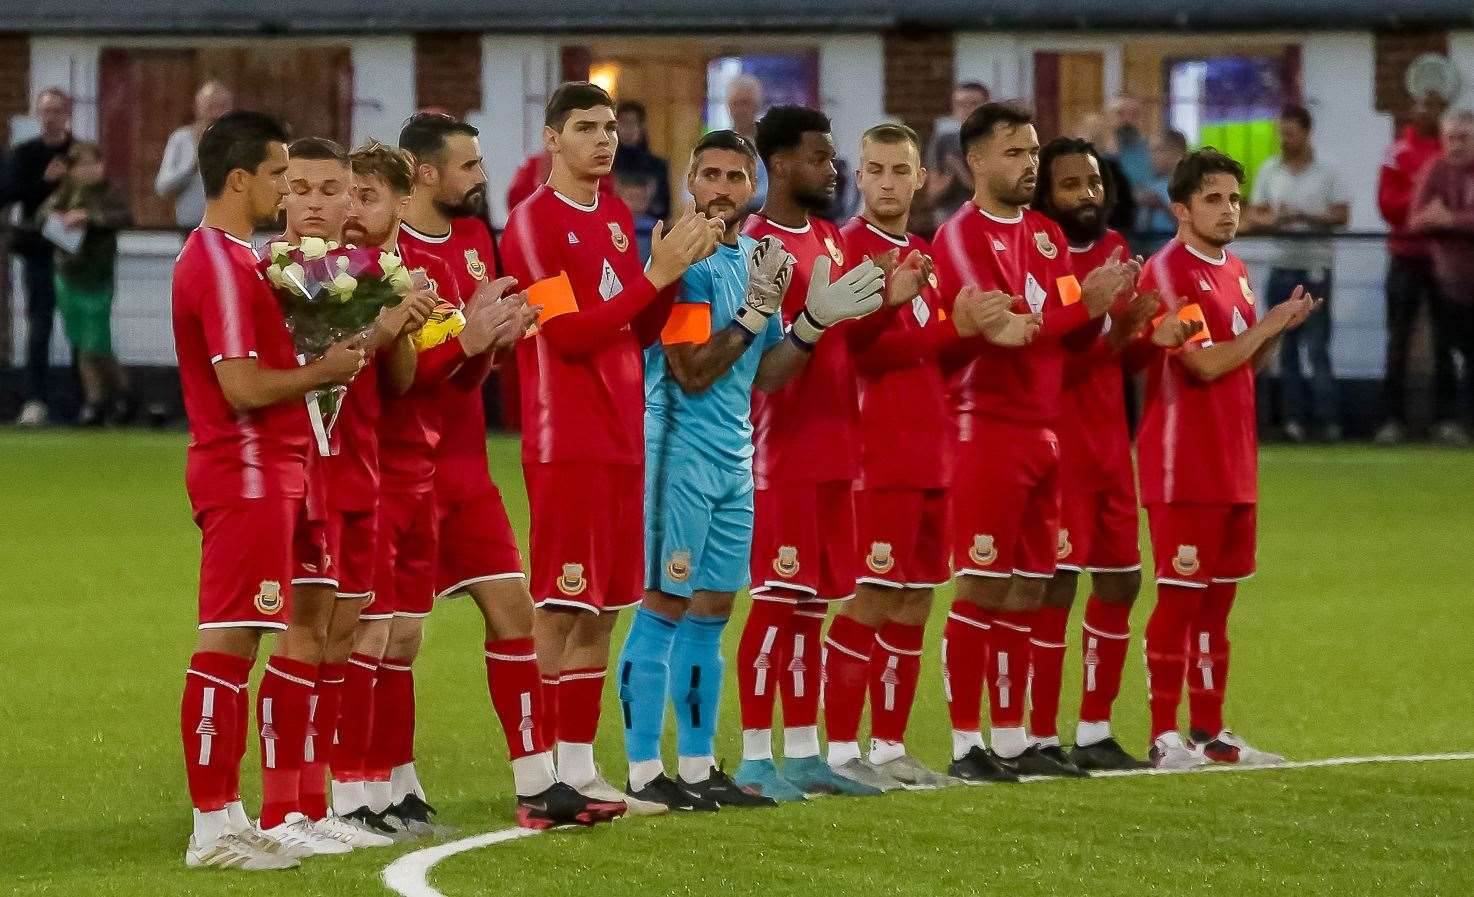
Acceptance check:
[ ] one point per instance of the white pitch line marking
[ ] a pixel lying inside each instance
(410, 874)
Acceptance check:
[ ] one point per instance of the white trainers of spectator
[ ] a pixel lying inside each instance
(32, 414)
(1390, 433)
(1451, 432)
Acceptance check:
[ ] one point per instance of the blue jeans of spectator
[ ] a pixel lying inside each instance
(1314, 400)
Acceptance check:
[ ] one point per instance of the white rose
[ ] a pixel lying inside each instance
(344, 284)
(401, 281)
(280, 249)
(390, 263)
(273, 274)
(343, 263)
(313, 248)
(296, 276)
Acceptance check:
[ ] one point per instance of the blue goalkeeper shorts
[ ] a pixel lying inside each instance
(698, 524)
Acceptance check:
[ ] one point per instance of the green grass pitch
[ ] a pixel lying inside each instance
(1353, 640)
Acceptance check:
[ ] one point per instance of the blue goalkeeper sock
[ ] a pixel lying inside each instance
(696, 669)
(644, 669)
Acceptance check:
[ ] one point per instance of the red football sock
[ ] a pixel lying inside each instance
(1166, 644)
(804, 668)
(394, 712)
(549, 727)
(240, 731)
(516, 694)
(1046, 669)
(321, 720)
(1208, 648)
(964, 661)
(1104, 638)
(207, 720)
(355, 718)
(895, 669)
(758, 654)
(846, 660)
(1008, 667)
(281, 715)
(579, 695)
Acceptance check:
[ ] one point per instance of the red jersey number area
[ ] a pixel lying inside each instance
(1099, 525)
(582, 411)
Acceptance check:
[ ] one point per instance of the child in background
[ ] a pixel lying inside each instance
(84, 280)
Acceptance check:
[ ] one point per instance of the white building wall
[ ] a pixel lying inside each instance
(517, 75)
(383, 86)
(1461, 51)
(852, 88)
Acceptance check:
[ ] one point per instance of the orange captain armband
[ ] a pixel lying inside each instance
(555, 295)
(1189, 312)
(1069, 289)
(689, 322)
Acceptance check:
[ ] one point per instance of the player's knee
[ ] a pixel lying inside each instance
(716, 605)
(987, 592)
(1117, 588)
(872, 604)
(1062, 588)
(670, 607)
(1027, 593)
(405, 636)
(913, 607)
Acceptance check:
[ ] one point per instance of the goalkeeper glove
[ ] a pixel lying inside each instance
(855, 294)
(769, 269)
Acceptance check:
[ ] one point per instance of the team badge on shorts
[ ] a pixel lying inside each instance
(982, 551)
(1064, 548)
(621, 242)
(1045, 245)
(268, 599)
(880, 560)
(1248, 293)
(786, 563)
(834, 252)
(572, 582)
(1186, 563)
(474, 265)
(678, 568)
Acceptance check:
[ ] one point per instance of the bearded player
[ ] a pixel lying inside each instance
(245, 474)
(581, 378)
(1198, 454)
(724, 337)
(1006, 403)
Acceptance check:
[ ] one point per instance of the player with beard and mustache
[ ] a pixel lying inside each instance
(1098, 508)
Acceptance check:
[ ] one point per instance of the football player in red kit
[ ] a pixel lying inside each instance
(245, 474)
(1198, 454)
(581, 377)
(1006, 402)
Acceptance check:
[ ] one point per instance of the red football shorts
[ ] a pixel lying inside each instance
(246, 562)
(1100, 530)
(312, 561)
(404, 582)
(1005, 501)
(1195, 544)
(353, 540)
(476, 541)
(905, 537)
(803, 539)
(588, 534)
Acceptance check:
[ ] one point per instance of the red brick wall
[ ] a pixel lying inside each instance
(448, 72)
(1394, 50)
(918, 77)
(15, 80)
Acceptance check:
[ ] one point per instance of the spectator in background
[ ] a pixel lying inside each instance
(84, 280)
(744, 104)
(1129, 146)
(1443, 208)
(1155, 223)
(635, 158)
(36, 168)
(1410, 281)
(948, 179)
(636, 189)
(1123, 213)
(178, 179)
(1296, 193)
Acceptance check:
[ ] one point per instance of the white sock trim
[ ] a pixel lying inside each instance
(693, 770)
(643, 772)
(962, 742)
(842, 752)
(800, 742)
(533, 774)
(576, 763)
(1010, 741)
(1087, 734)
(885, 751)
(757, 744)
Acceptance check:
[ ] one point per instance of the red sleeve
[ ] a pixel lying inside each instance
(1394, 191)
(861, 332)
(225, 304)
(587, 330)
(649, 323)
(902, 348)
(524, 182)
(436, 364)
(955, 355)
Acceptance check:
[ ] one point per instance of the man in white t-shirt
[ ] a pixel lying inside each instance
(1297, 196)
(179, 171)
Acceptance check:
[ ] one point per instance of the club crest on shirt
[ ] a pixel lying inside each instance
(1064, 548)
(982, 551)
(678, 568)
(621, 242)
(572, 583)
(834, 252)
(268, 599)
(880, 560)
(1045, 245)
(786, 563)
(474, 265)
(1186, 562)
(1248, 293)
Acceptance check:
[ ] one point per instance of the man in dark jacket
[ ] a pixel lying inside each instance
(633, 158)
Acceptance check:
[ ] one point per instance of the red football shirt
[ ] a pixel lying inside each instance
(1025, 256)
(1092, 424)
(410, 424)
(1198, 441)
(223, 309)
(907, 431)
(808, 431)
(467, 253)
(582, 402)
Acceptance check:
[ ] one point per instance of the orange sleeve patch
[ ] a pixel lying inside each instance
(1069, 289)
(1192, 312)
(555, 295)
(689, 322)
